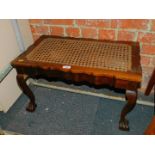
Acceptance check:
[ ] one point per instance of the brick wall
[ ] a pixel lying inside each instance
(142, 30)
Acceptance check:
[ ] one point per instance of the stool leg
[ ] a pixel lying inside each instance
(131, 97)
(21, 80)
(154, 100)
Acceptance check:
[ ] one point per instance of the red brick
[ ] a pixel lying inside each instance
(41, 30)
(58, 31)
(153, 25)
(141, 24)
(33, 30)
(148, 49)
(73, 32)
(145, 61)
(89, 33)
(126, 35)
(114, 23)
(94, 22)
(35, 21)
(59, 21)
(146, 37)
(107, 34)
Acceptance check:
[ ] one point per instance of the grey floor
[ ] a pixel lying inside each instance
(60, 113)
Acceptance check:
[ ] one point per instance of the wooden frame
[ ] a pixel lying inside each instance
(151, 127)
(130, 80)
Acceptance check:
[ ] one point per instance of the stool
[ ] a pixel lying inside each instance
(112, 63)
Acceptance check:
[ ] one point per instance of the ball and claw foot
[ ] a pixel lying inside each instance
(31, 107)
(124, 125)
(131, 97)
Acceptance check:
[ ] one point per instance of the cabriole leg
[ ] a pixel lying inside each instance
(21, 80)
(131, 97)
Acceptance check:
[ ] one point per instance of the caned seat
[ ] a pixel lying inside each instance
(84, 53)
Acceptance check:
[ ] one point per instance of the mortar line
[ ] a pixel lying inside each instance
(100, 28)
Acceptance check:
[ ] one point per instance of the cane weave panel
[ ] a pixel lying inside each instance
(84, 53)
